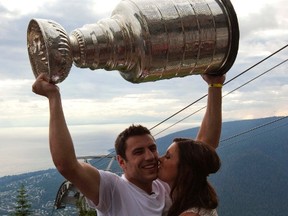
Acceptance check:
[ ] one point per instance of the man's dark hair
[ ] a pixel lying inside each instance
(133, 130)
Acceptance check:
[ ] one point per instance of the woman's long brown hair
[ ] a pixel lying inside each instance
(191, 188)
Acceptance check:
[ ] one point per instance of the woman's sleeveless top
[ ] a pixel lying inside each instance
(203, 212)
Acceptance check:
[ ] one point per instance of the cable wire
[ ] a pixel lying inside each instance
(223, 96)
(245, 71)
(274, 53)
(255, 128)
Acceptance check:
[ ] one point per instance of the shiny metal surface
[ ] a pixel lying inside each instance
(49, 50)
(145, 40)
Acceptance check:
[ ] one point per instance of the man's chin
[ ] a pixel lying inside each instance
(153, 176)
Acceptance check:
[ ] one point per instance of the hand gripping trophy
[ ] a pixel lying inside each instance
(145, 40)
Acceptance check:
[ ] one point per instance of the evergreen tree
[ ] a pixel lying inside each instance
(23, 206)
(83, 209)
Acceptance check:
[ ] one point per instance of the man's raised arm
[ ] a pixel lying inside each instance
(84, 176)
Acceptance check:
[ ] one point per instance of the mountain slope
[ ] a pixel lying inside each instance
(253, 179)
(41, 187)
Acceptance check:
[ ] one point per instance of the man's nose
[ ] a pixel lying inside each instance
(149, 155)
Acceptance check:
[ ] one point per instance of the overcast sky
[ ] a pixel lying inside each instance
(99, 104)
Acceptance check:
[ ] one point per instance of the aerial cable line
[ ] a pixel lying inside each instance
(178, 112)
(222, 96)
(251, 137)
(253, 129)
(245, 71)
(274, 53)
(179, 121)
(257, 77)
(277, 51)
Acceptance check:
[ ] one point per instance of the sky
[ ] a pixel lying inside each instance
(99, 104)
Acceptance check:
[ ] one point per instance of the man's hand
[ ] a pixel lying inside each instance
(212, 79)
(42, 86)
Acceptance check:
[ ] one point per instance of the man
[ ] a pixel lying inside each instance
(138, 191)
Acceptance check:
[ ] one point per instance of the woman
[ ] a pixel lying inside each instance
(185, 167)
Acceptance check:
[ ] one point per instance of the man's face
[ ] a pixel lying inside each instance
(141, 164)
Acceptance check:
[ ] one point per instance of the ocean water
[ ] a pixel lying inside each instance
(25, 149)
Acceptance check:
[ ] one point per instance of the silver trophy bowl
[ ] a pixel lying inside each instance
(49, 50)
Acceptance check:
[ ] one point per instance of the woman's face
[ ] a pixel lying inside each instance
(168, 167)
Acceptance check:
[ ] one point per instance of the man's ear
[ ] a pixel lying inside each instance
(121, 162)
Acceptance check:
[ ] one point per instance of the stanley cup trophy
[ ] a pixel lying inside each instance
(145, 40)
